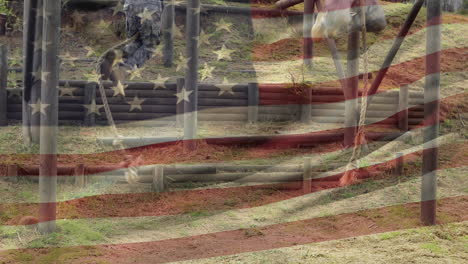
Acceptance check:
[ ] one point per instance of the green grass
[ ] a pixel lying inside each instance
(74, 232)
(434, 248)
(389, 235)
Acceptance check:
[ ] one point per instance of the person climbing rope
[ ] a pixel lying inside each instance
(143, 17)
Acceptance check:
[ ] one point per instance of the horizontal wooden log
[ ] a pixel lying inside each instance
(159, 93)
(129, 85)
(223, 110)
(135, 116)
(154, 123)
(63, 115)
(236, 88)
(221, 102)
(277, 117)
(137, 141)
(148, 101)
(334, 119)
(369, 114)
(202, 116)
(248, 11)
(114, 108)
(283, 109)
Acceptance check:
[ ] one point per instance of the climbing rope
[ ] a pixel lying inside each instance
(131, 175)
(350, 175)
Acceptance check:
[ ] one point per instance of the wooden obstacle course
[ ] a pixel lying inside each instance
(249, 103)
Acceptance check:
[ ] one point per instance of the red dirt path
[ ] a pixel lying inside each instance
(288, 234)
(209, 200)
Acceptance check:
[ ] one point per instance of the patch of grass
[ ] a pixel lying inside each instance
(200, 213)
(389, 235)
(434, 248)
(57, 255)
(74, 233)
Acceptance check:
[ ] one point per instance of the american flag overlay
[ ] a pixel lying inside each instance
(243, 131)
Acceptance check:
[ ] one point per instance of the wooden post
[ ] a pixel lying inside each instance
(431, 113)
(191, 77)
(89, 97)
(403, 98)
(399, 163)
(395, 48)
(80, 180)
(309, 6)
(168, 34)
(306, 107)
(307, 176)
(49, 117)
(12, 172)
(36, 69)
(180, 106)
(29, 18)
(253, 101)
(3, 84)
(158, 179)
(351, 105)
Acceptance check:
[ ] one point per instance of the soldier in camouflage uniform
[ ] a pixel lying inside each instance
(139, 51)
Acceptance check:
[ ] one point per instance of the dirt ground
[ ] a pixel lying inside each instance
(373, 221)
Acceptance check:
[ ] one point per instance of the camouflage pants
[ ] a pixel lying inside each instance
(143, 17)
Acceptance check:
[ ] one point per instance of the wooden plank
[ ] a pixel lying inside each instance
(89, 98)
(306, 108)
(351, 107)
(3, 84)
(29, 18)
(12, 172)
(191, 76)
(168, 21)
(308, 22)
(49, 119)
(403, 108)
(36, 69)
(79, 173)
(253, 102)
(431, 113)
(307, 176)
(158, 180)
(395, 48)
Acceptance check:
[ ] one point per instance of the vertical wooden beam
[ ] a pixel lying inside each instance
(306, 107)
(431, 113)
(395, 48)
(351, 105)
(180, 106)
(168, 33)
(403, 100)
(79, 174)
(29, 18)
(158, 179)
(12, 172)
(399, 163)
(3, 84)
(309, 6)
(36, 69)
(191, 77)
(49, 117)
(89, 96)
(307, 176)
(253, 100)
